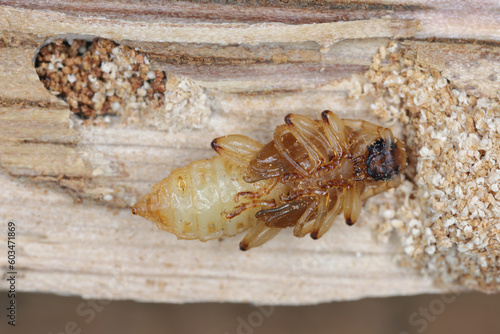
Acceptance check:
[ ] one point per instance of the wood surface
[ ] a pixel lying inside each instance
(68, 187)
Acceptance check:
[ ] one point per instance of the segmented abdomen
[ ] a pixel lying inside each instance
(192, 200)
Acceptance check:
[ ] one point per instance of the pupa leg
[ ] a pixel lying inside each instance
(297, 214)
(321, 226)
(285, 215)
(249, 205)
(351, 204)
(320, 206)
(383, 186)
(360, 124)
(309, 134)
(317, 203)
(367, 134)
(334, 130)
(300, 229)
(238, 148)
(258, 235)
(278, 137)
(269, 186)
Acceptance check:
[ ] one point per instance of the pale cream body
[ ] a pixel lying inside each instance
(192, 200)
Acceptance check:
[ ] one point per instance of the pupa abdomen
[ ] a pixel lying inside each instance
(206, 199)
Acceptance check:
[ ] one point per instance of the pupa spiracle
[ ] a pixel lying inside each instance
(309, 173)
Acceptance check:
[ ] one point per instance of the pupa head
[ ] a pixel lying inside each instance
(385, 159)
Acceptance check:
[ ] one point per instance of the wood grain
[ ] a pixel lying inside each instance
(254, 64)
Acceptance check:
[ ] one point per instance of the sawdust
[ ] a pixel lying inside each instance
(446, 213)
